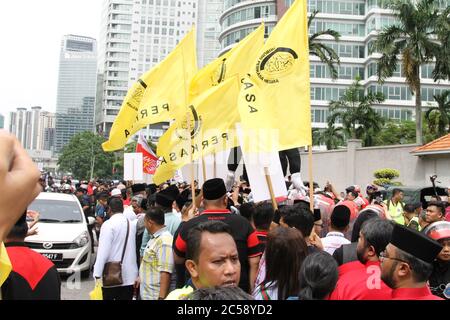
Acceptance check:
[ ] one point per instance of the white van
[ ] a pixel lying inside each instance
(62, 232)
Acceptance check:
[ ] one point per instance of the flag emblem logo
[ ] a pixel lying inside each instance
(219, 74)
(276, 63)
(195, 124)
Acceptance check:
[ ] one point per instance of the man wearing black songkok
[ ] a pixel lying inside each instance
(406, 264)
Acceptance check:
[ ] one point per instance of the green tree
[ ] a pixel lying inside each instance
(325, 53)
(354, 110)
(439, 117)
(332, 137)
(442, 67)
(396, 132)
(414, 38)
(84, 152)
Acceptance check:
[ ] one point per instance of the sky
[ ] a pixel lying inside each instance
(31, 32)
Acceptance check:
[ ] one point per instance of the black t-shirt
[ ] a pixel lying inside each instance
(244, 235)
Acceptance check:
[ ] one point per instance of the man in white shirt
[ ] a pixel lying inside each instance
(340, 219)
(110, 249)
(136, 208)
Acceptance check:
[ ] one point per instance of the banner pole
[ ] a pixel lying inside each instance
(311, 183)
(269, 184)
(192, 162)
(215, 167)
(204, 169)
(132, 168)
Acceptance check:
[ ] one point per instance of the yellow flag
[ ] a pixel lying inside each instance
(157, 96)
(275, 96)
(237, 61)
(212, 117)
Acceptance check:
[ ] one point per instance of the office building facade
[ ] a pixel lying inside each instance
(135, 36)
(35, 129)
(76, 88)
(358, 22)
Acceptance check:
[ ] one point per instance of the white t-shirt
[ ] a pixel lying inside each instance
(333, 241)
(128, 212)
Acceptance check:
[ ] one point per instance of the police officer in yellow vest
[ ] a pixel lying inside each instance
(395, 206)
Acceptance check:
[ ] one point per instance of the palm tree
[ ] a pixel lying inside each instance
(414, 38)
(354, 110)
(440, 115)
(332, 137)
(326, 54)
(442, 69)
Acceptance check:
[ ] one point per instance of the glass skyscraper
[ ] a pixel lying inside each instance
(76, 88)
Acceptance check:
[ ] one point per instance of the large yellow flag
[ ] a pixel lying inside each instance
(237, 61)
(275, 96)
(212, 118)
(157, 96)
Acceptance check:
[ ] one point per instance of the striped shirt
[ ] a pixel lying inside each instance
(157, 258)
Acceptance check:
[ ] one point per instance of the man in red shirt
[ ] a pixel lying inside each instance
(406, 264)
(362, 281)
(215, 202)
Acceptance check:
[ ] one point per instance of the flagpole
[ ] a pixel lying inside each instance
(204, 169)
(311, 184)
(192, 163)
(215, 167)
(269, 185)
(189, 132)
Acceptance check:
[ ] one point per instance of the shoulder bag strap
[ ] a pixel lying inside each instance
(126, 241)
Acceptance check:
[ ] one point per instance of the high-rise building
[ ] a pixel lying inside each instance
(241, 17)
(2, 121)
(35, 129)
(76, 88)
(46, 133)
(208, 31)
(358, 22)
(135, 36)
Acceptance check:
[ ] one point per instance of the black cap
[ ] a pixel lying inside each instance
(415, 243)
(180, 200)
(164, 200)
(340, 217)
(167, 196)
(138, 187)
(172, 190)
(152, 188)
(214, 189)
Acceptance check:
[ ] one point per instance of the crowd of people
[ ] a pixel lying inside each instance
(220, 245)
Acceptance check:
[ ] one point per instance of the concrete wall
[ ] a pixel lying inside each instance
(355, 165)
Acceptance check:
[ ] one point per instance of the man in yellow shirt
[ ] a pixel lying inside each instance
(395, 206)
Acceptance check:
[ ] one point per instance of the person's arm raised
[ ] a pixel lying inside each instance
(19, 178)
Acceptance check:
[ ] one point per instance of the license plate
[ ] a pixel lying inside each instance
(53, 256)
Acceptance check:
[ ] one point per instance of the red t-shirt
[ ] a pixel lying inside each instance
(362, 284)
(423, 293)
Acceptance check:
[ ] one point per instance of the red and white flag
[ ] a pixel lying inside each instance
(150, 162)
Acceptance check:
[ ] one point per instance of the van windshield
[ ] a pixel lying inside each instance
(51, 211)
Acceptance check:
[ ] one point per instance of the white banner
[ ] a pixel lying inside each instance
(132, 167)
(255, 164)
